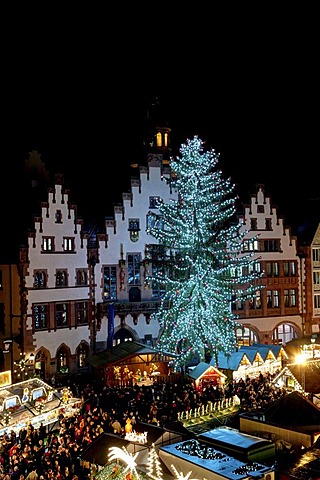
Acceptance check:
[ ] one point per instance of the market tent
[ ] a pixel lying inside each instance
(131, 359)
(205, 372)
(97, 452)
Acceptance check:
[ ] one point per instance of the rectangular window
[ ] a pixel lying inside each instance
(254, 225)
(254, 267)
(316, 255)
(82, 312)
(255, 302)
(269, 245)
(272, 269)
(250, 245)
(153, 201)
(273, 298)
(40, 279)
(61, 278)
(290, 298)
(316, 278)
(260, 208)
(268, 224)
(61, 315)
(134, 262)
(316, 301)
(68, 244)
(82, 276)
(48, 244)
(40, 317)
(289, 269)
(109, 283)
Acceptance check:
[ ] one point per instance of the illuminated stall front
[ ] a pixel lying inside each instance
(32, 402)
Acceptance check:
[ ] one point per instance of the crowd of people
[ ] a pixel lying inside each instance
(41, 454)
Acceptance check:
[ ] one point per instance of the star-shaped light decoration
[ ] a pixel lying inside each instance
(181, 476)
(129, 459)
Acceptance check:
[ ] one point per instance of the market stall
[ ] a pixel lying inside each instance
(33, 402)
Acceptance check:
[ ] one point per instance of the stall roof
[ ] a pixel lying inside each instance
(121, 352)
(294, 411)
(231, 362)
(98, 450)
(202, 368)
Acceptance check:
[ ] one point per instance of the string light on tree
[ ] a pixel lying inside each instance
(205, 268)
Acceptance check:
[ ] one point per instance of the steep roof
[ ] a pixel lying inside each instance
(231, 362)
(119, 353)
(202, 368)
(292, 411)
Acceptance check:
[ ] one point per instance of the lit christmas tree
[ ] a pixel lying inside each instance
(205, 269)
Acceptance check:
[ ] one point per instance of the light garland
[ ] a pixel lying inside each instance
(204, 251)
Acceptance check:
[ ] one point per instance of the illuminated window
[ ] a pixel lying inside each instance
(40, 317)
(40, 279)
(153, 202)
(290, 298)
(134, 262)
(82, 353)
(250, 245)
(48, 244)
(289, 268)
(246, 336)
(159, 139)
(61, 278)
(272, 298)
(110, 283)
(61, 315)
(134, 228)
(82, 309)
(62, 360)
(316, 254)
(68, 244)
(255, 302)
(272, 269)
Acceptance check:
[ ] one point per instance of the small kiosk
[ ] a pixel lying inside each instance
(32, 402)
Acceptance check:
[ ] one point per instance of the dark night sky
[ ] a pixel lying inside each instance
(252, 96)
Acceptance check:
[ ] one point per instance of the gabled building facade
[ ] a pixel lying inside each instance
(81, 293)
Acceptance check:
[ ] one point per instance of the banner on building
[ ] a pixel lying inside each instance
(110, 325)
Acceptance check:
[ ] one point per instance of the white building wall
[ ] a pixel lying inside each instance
(261, 209)
(51, 261)
(153, 184)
